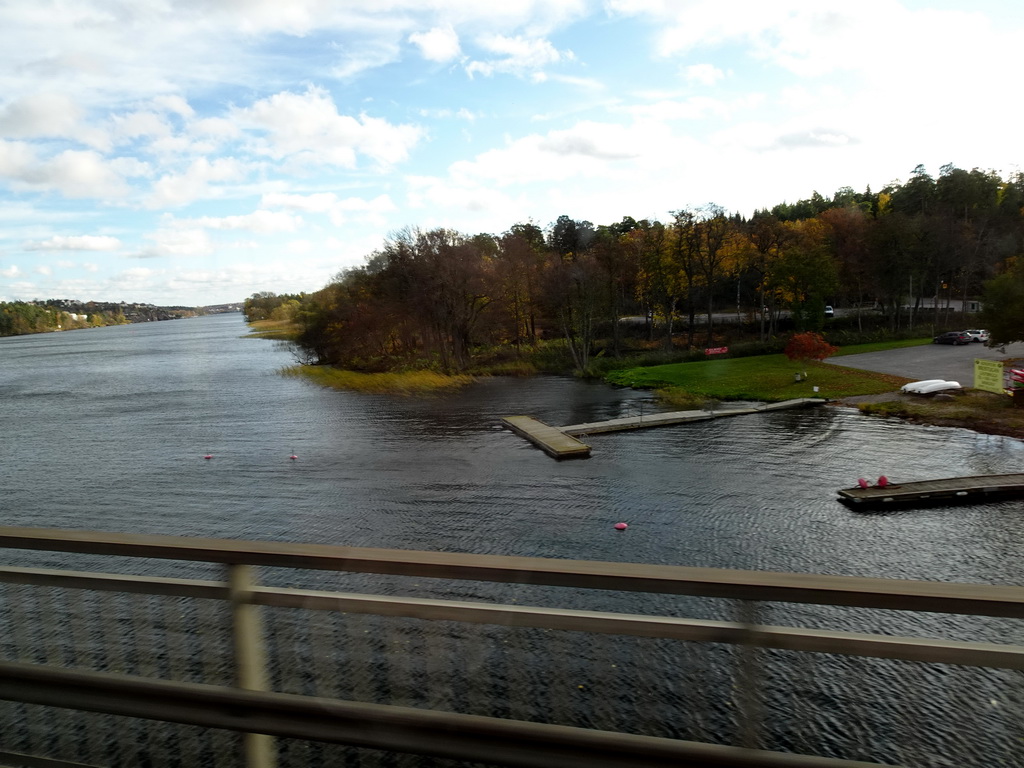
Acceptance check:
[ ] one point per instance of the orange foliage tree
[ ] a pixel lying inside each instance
(808, 346)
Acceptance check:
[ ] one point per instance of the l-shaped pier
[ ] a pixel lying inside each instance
(563, 442)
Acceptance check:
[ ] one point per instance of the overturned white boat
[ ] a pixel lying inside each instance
(930, 386)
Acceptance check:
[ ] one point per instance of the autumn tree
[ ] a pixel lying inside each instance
(576, 292)
(620, 267)
(806, 274)
(712, 230)
(802, 347)
(658, 281)
(768, 238)
(576, 287)
(685, 260)
(452, 290)
(519, 268)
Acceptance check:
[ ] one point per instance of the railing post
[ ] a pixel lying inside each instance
(750, 706)
(250, 658)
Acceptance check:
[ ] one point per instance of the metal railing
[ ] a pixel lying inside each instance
(433, 657)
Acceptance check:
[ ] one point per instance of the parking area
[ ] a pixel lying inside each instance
(930, 361)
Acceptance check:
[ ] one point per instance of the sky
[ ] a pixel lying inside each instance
(194, 152)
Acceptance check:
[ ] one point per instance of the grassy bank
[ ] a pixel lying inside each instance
(404, 383)
(981, 411)
(768, 378)
(273, 329)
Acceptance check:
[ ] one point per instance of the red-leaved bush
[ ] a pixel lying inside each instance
(808, 346)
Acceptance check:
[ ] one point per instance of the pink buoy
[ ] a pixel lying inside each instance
(621, 526)
(862, 482)
(883, 481)
(293, 457)
(208, 456)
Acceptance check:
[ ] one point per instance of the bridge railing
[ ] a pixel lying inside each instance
(121, 655)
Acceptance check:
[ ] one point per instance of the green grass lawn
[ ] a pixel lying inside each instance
(879, 346)
(768, 378)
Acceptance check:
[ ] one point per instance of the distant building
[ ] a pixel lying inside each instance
(942, 302)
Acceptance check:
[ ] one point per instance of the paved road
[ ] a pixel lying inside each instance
(930, 361)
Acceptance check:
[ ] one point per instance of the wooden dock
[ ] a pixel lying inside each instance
(954, 490)
(551, 440)
(561, 442)
(649, 420)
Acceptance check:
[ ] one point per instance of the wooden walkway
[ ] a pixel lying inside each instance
(551, 440)
(561, 442)
(954, 490)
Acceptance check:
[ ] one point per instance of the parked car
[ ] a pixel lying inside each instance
(953, 337)
(978, 334)
(829, 312)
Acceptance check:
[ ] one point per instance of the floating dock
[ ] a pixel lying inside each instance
(649, 420)
(561, 442)
(553, 441)
(954, 490)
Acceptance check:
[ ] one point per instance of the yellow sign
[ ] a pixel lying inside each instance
(988, 375)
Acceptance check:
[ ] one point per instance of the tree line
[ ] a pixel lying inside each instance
(23, 317)
(17, 318)
(438, 297)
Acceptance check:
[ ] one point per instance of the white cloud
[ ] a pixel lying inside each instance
(703, 74)
(320, 202)
(174, 104)
(363, 55)
(447, 114)
(589, 149)
(16, 157)
(176, 189)
(595, 140)
(815, 39)
(379, 204)
(464, 194)
(43, 269)
(133, 125)
(308, 124)
(173, 243)
(11, 271)
(582, 83)
(48, 115)
(75, 243)
(520, 56)
(696, 108)
(262, 222)
(299, 247)
(130, 167)
(73, 173)
(340, 210)
(40, 115)
(816, 137)
(637, 7)
(439, 44)
(216, 127)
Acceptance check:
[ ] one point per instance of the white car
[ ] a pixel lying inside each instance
(979, 334)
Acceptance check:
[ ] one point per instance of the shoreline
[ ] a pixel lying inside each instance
(983, 412)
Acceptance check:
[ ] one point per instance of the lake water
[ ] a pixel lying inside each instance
(106, 429)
